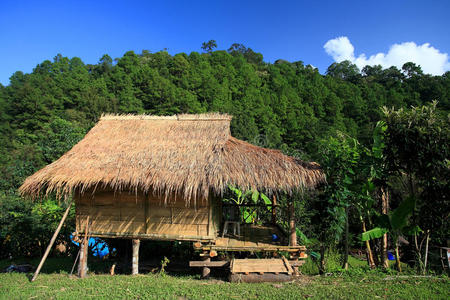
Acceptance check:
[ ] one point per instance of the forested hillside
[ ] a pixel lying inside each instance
(332, 119)
(282, 105)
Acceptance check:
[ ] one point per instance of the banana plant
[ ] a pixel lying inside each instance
(240, 197)
(395, 224)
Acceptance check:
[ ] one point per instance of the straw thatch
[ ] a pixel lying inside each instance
(189, 155)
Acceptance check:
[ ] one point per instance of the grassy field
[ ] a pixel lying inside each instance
(353, 285)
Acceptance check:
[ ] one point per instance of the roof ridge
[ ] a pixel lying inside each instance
(177, 117)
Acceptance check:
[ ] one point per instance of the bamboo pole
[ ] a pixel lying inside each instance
(52, 241)
(426, 253)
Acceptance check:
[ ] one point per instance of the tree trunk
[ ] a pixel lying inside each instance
(384, 242)
(292, 230)
(345, 263)
(369, 249)
(397, 258)
(322, 266)
(135, 259)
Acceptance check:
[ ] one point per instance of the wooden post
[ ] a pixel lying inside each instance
(52, 241)
(274, 210)
(205, 270)
(84, 245)
(135, 259)
(292, 230)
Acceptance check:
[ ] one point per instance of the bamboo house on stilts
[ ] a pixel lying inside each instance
(163, 178)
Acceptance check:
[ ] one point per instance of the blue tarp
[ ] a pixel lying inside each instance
(101, 248)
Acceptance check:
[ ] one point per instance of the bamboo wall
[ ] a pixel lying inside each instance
(126, 214)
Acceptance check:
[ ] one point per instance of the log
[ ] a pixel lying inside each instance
(206, 271)
(266, 277)
(52, 241)
(211, 264)
(135, 259)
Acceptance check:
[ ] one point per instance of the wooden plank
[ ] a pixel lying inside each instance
(190, 216)
(104, 198)
(117, 227)
(177, 229)
(288, 266)
(218, 264)
(151, 236)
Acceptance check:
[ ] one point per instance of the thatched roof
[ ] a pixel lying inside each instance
(190, 155)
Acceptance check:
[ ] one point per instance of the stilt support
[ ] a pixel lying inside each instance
(135, 259)
(84, 245)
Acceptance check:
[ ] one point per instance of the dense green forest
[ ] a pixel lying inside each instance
(284, 105)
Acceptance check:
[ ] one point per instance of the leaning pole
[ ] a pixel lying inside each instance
(49, 247)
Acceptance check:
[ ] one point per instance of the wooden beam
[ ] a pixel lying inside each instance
(135, 257)
(211, 264)
(287, 265)
(52, 241)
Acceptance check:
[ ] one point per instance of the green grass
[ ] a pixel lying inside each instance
(351, 285)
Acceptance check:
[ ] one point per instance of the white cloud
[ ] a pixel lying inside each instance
(429, 58)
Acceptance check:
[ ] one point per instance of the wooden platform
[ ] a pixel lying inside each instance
(253, 238)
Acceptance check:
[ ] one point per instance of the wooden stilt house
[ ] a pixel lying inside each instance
(162, 178)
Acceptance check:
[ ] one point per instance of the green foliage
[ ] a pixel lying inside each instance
(417, 151)
(26, 227)
(241, 198)
(339, 157)
(164, 263)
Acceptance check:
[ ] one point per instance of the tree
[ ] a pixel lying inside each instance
(340, 156)
(209, 46)
(417, 150)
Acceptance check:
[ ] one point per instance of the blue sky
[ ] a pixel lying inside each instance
(32, 31)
